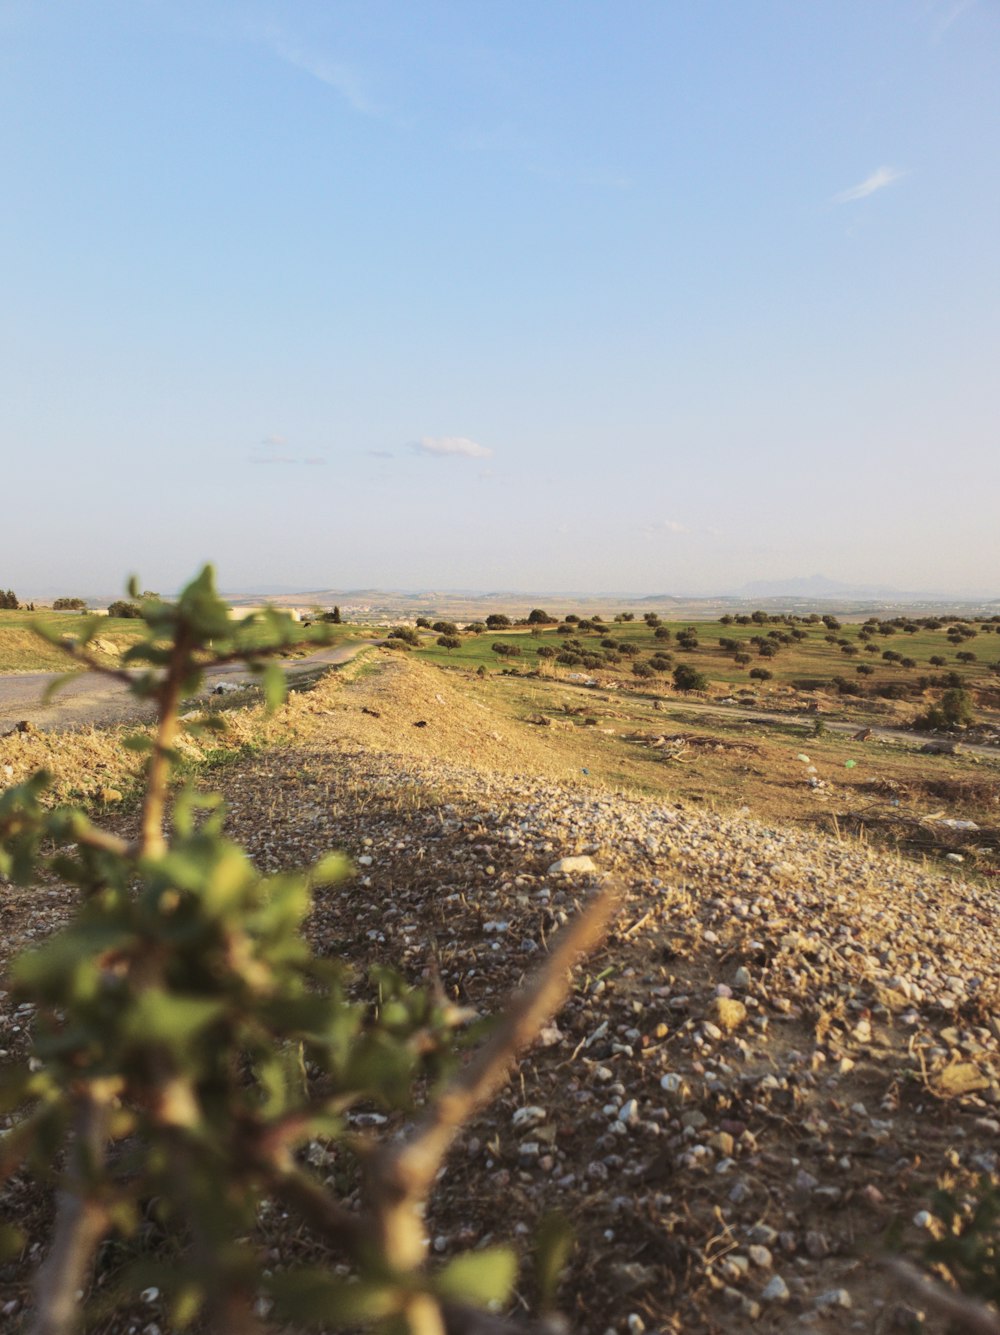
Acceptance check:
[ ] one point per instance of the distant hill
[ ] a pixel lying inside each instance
(820, 587)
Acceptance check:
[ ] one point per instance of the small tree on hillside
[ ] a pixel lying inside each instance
(688, 678)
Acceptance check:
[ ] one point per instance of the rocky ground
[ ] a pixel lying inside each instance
(785, 1046)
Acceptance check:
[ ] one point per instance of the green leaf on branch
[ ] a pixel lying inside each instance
(56, 684)
(158, 1016)
(137, 741)
(485, 1278)
(314, 1297)
(553, 1245)
(274, 686)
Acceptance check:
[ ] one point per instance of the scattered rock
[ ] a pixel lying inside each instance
(578, 865)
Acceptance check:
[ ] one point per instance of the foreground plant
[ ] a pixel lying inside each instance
(189, 1045)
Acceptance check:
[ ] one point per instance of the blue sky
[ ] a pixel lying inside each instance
(659, 297)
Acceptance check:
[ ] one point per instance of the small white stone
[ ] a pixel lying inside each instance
(525, 1117)
(834, 1298)
(776, 1291)
(579, 865)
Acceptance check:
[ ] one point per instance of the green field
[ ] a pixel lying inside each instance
(23, 649)
(807, 663)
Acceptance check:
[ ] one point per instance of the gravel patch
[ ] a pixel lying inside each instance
(785, 1044)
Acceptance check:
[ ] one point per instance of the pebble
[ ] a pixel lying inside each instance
(527, 1117)
(833, 1298)
(573, 865)
(776, 1291)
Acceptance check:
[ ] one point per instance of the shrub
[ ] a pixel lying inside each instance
(643, 670)
(661, 633)
(966, 656)
(189, 1045)
(742, 658)
(688, 678)
(445, 628)
(448, 642)
(503, 650)
(538, 617)
(497, 621)
(937, 660)
(70, 605)
(761, 674)
(126, 610)
(956, 706)
(546, 651)
(407, 634)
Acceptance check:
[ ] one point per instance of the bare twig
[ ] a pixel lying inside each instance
(967, 1315)
(81, 1223)
(151, 842)
(91, 836)
(348, 1231)
(402, 1177)
(79, 655)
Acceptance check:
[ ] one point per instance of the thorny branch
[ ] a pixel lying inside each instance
(402, 1177)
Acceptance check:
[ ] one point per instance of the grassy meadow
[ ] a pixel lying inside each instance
(813, 657)
(23, 649)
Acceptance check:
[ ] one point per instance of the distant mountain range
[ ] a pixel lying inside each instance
(819, 586)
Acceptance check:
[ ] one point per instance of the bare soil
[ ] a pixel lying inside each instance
(698, 1157)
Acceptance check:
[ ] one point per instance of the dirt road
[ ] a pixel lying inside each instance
(91, 698)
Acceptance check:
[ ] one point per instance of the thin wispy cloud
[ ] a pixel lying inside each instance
(452, 447)
(336, 74)
(948, 13)
(380, 454)
(878, 180)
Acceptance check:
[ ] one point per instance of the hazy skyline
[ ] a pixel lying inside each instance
(654, 297)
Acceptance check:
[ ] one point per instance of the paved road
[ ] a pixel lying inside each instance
(91, 698)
